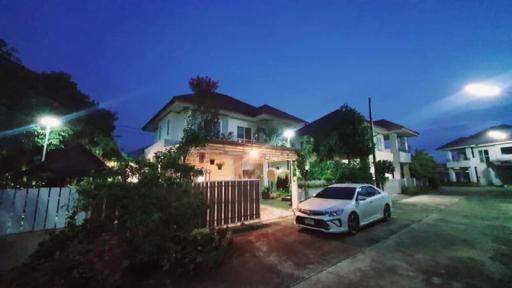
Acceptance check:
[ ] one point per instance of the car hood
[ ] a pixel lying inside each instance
(324, 204)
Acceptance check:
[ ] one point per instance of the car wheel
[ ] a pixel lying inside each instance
(353, 223)
(386, 213)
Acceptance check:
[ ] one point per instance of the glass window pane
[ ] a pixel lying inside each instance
(248, 133)
(240, 131)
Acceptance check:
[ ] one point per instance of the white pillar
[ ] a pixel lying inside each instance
(449, 154)
(451, 175)
(294, 187)
(393, 140)
(472, 174)
(265, 173)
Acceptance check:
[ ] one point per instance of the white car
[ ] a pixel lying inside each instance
(344, 208)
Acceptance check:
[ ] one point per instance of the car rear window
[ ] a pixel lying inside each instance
(341, 193)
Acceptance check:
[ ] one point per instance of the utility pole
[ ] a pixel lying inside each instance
(373, 142)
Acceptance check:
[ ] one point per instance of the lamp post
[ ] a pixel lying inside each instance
(372, 142)
(288, 133)
(48, 122)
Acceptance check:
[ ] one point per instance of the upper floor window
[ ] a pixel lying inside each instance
(459, 155)
(159, 131)
(506, 150)
(379, 143)
(243, 133)
(168, 127)
(483, 155)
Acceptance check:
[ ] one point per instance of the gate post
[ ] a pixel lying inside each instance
(294, 187)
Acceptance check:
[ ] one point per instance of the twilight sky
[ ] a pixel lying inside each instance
(304, 57)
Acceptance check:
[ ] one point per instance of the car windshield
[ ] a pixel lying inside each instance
(341, 193)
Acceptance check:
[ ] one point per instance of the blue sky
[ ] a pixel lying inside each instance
(305, 57)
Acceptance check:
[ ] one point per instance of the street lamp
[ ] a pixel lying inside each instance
(483, 89)
(288, 133)
(48, 122)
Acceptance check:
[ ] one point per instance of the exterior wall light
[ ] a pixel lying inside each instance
(288, 133)
(497, 135)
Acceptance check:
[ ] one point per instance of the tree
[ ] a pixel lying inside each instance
(305, 154)
(205, 114)
(349, 137)
(27, 95)
(424, 168)
(383, 167)
(7, 52)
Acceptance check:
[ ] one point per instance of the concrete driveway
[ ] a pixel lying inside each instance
(441, 241)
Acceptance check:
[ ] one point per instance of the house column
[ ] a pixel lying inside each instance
(407, 174)
(393, 140)
(451, 175)
(472, 174)
(449, 154)
(265, 173)
(294, 186)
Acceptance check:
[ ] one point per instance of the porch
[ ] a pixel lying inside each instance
(222, 161)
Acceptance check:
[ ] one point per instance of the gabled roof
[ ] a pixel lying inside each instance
(328, 122)
(224, 102)
(479, 138)
(394, 127)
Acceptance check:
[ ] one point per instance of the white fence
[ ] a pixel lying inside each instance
(33, 209)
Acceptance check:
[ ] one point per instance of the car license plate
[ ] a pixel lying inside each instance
(309, 221)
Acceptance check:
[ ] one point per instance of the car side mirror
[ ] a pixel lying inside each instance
(360, 198)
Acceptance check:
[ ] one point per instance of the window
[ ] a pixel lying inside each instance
(483, 155)
(243, 133)
(159, 131)
(168, 127)
(370, 191)
(506, 150)
(340, 193)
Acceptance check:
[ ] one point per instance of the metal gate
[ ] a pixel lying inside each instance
(230, 202)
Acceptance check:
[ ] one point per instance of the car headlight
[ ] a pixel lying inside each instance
(335, 213)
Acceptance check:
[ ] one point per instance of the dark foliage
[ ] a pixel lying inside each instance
(145, 224)
(349, 137)
(424, 168)
(383, 167)
(27, 95)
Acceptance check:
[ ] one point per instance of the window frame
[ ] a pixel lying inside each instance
(507, 148)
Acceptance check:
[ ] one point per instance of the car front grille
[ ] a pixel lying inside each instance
(317, 223)
(312, 212)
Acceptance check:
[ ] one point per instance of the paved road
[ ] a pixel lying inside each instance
(456, 240)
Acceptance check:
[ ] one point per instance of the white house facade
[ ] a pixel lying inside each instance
(483, 158)
(242, 150)
(391, 144)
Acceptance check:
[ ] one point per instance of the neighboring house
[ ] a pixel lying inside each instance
(390, 144)
(484, 157)
(243, 149)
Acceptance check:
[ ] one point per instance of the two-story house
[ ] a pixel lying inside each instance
(242, 150)
(390, 144)
(483, 158)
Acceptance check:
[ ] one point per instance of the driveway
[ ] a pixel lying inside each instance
(434, 240)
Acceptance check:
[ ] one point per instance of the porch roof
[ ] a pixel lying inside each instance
(267, 152)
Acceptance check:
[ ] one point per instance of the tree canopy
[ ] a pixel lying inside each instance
(424, 167)
(349, 137)
(205, 114)
(27, 95)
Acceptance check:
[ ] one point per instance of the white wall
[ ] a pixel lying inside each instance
(486, 176)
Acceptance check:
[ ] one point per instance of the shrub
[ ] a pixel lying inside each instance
(415, 190)
(136, 229)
